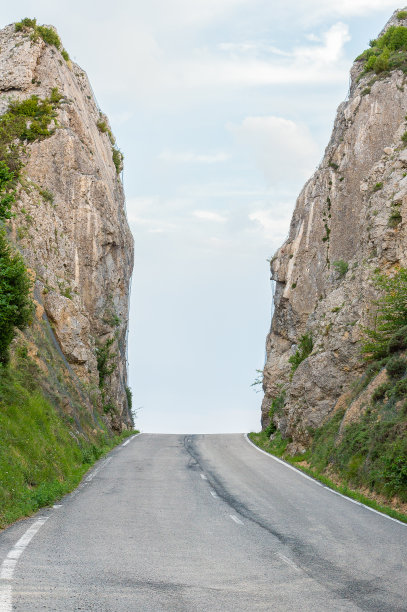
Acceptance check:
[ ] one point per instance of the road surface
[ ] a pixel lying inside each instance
(203, 523)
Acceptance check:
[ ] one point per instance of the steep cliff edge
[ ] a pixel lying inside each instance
(349, 221)
(70, 225)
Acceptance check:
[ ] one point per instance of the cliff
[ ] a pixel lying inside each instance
(349, 221)
(70, 225)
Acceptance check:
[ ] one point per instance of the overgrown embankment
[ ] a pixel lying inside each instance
(41, 459)
(363, 445)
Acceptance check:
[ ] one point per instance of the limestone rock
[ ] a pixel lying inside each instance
(342, 215)
(71, 223)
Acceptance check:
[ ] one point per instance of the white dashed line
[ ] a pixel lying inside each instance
(237, 520)
(56, 506)
(213, 494)
(8, 566)
(203, 477)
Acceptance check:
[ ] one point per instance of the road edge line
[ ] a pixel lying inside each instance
(320, 484)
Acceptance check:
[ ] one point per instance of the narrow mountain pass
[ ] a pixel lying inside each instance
(202, 523)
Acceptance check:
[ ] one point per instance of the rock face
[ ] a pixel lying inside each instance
(349, 221)
(71, 223)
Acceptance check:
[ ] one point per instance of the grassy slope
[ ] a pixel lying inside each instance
(48, 437)
(309, 463)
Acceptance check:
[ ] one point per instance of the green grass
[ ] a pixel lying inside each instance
(40, 459)
(278, 447)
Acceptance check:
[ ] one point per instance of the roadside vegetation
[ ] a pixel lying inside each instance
(40, 458)
(368, 453)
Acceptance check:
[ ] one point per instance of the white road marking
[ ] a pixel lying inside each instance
(213, 494)
(203, 477)
(288, 561)
(97, 470)
(8, 566)
(237, 520)
(56, 506)
(354, 501)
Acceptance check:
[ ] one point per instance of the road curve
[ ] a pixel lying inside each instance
(202, 523)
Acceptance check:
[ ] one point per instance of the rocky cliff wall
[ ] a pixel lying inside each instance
(71, 227)
(349, 221)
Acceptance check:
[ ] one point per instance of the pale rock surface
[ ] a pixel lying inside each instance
(338, 216)
(79, 245)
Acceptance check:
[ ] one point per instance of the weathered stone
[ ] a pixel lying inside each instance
(341, 215)
(71, 208)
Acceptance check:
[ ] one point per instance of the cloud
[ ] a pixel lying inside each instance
(284, 150)
(190, 157)
(209, 215)
(274, 227)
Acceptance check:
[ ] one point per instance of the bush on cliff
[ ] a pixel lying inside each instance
(390, 316)
(389, 52)
(15, 301)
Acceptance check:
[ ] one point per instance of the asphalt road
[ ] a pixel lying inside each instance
(172, 523)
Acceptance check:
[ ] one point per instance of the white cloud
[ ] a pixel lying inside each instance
(209, 215)
(191, 157)
(275, 228)
(284, 150)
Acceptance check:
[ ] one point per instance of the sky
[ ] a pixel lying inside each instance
(223, 109)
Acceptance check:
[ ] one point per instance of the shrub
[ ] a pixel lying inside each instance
(49, 36)
(105, 364)
(7, 193)
(391, 314)
(396, 367)
(404, 138)
(341, 267)
(305, 346)
(378, 186)
(398, 340)
(402, 15)
(129, 396)
(25, 24)
(15, 302)
(380, 392)
(117, 157)
(395, 218)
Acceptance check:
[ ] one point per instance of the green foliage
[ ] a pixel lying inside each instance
(341, 267)
(305, 346)
(49, 36)
(105, 361)
(391, 314)
(378, 186)
(277, 405)
(25, 24)
(15, 301)
(395, 218)
(404, 138)
(117, 157)
(129, 396)
(402, 15)
(389, 52)
(7, 193)
(396, 367)
(40, 460)
(65, 55)
(398, 340)
(46, 195)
